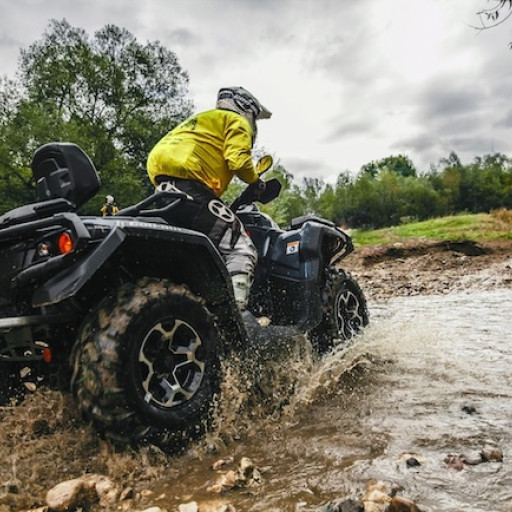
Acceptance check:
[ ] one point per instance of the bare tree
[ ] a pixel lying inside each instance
(496, 13)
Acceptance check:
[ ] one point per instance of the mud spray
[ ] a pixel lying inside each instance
(44, 440)
(318, 429)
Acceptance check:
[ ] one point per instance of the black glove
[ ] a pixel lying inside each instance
(259, 188)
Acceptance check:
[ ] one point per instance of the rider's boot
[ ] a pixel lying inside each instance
(241, 287)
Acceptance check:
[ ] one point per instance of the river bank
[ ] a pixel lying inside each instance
(421, 267)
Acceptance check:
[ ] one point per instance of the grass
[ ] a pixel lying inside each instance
(480, 226)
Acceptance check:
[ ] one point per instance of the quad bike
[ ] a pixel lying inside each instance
(137, 313)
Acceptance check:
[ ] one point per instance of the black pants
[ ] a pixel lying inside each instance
(210, 215)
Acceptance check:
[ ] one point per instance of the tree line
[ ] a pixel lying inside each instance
(115, 97)
(390, 191)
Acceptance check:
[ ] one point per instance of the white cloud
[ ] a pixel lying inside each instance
(348, 82)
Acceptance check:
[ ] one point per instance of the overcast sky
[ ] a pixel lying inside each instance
(348, 82)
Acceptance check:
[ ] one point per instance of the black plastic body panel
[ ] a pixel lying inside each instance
(142, 248)
(291, 265)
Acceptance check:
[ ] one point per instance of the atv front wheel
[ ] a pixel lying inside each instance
(147, 365)
(345, 311)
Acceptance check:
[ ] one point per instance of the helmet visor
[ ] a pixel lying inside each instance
(264, 113)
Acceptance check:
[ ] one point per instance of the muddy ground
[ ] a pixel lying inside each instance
(426, 267)
(43, 440)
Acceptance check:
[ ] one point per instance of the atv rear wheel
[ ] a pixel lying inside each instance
(147, 365)
(345, 311)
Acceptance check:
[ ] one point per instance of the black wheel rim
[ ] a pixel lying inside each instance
(171, 363)
(349, 319)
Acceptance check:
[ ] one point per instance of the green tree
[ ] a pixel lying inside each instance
(488, 183)
(400, 164)
(110, 94)
(484, 184)
(447, 178)
(290, 203)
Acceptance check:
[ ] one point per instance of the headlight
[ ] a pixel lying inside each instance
(43, 250)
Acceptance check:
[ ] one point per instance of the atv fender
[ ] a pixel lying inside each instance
(144, 249)
(68, 283)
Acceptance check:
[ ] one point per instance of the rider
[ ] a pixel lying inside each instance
(109, 208)
(200, 157)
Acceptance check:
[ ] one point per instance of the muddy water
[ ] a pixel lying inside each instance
(431, 376)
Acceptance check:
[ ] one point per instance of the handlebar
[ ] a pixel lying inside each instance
(253, 193)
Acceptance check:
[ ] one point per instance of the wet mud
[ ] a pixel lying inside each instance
(429, 378)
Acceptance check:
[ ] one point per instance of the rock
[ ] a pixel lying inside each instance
(376, 498)
(81, 492)
(226, 482)
(188, 507)
(221, 463)
(246, 465)
(264, 321)
(492, 453)
(399, 504)
(30, 386)
(412, 462)
(246, 475)
(154, 509)
(107, 491)
(469, 409)
(455, 461)
(71, 494)
(25, 372)
(473, 459)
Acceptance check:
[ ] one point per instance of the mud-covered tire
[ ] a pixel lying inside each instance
(345, 312)
(146, 365)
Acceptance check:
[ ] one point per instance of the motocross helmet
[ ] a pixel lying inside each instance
(241, 101)
(109, 199)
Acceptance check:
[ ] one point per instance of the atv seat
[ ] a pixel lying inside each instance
(63, 170)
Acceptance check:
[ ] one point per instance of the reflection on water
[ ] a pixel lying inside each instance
(320, 430)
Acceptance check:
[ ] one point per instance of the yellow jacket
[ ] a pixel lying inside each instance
(109, 207)
(210, 147)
